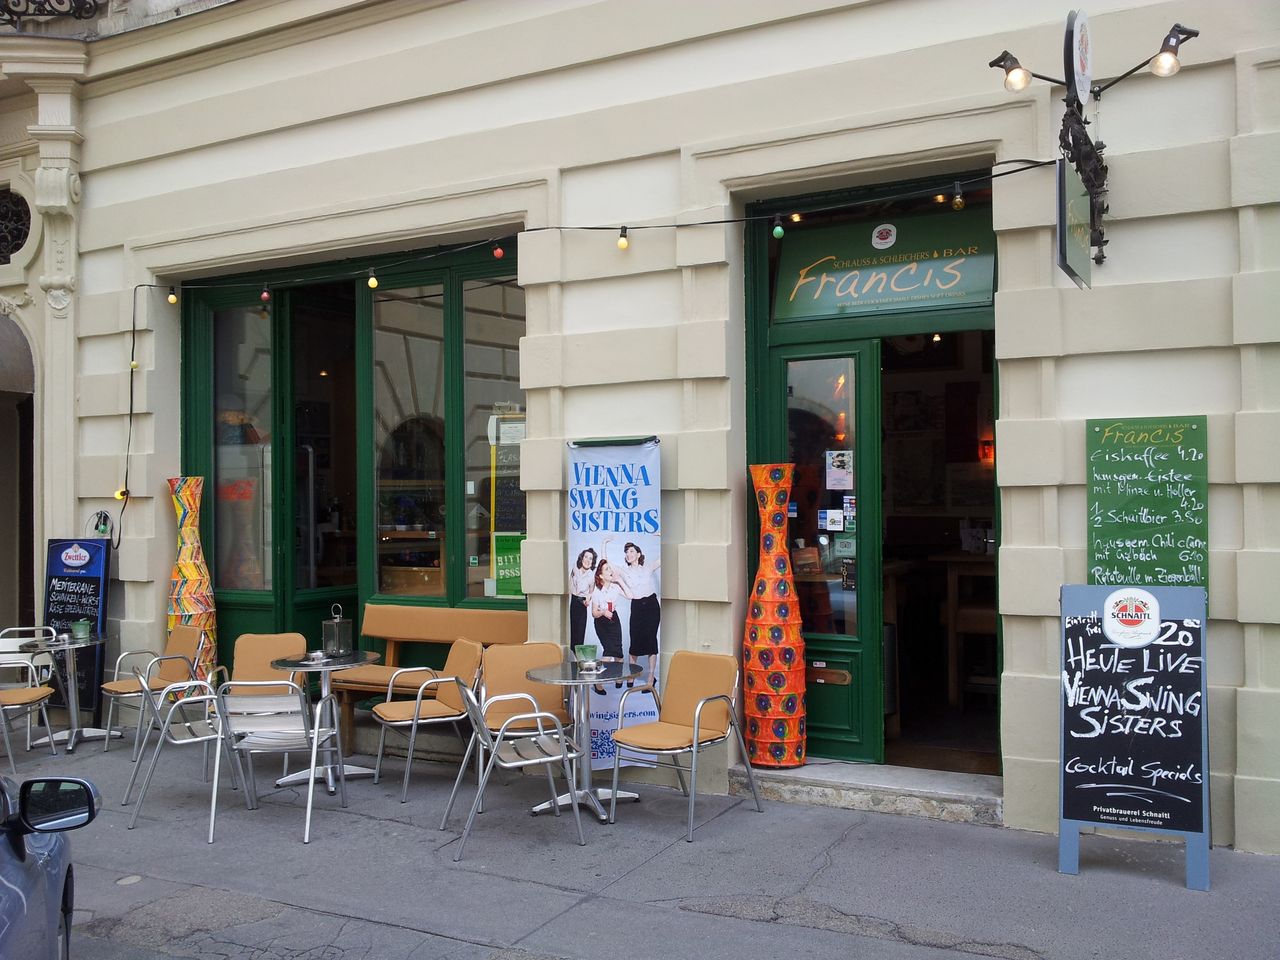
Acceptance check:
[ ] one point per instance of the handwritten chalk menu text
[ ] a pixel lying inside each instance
(75, 588)
(1148, 501)
(1133, 717)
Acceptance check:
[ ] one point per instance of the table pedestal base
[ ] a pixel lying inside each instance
(327, 773)
(72, 737)
(595, 799)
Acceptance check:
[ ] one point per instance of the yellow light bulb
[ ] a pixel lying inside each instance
(373, 282)
(623, 242)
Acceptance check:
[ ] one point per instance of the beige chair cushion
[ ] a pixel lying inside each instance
(658, 736)
(499, 713)
(129, 687)
(504, 672)
(24, 696)
(695, 676)
(184, 641)
(444, 624)
(463, 663)
(253, 656)
(401, 711)
(379, 675)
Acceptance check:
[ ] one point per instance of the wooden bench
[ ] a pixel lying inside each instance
(400, 624)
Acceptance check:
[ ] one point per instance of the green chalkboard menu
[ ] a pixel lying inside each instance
(1148, 484)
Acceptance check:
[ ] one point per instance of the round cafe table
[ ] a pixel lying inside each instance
(67, 645)
(571, 675)
(325, 666)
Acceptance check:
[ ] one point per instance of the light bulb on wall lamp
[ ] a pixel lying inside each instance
(957, 199)
(623, 242)
(372, 281)
(1166, 63)
(778, 230)
(173, 295)
(1016, 76)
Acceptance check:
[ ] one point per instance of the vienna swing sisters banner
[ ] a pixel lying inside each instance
(615, 538)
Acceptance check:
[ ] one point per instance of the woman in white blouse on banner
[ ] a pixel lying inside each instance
(582, 580)
(641, 586)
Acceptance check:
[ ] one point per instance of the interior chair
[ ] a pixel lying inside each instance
(437, 701)
(24, 700)
(527, 737)
(254, 722)
(697, 710)
(11, 639)
(191, 720)
(176, 665)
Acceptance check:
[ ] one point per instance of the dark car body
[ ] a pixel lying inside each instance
(36, 880)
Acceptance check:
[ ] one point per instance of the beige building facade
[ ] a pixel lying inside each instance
(260, 135)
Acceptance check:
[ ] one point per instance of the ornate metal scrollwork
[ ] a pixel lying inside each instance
(1086, 156)
(14, 11)
(15, 224)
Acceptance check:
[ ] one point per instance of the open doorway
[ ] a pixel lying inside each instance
(939, 517)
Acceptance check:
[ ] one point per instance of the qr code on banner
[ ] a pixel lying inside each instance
(602, 747)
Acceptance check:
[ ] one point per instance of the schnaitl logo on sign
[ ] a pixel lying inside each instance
(924, 262)
(75, 556)
(1130, 617)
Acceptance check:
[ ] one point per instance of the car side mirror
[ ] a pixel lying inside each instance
(56, 804)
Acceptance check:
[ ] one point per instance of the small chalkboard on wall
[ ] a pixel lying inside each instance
(75, 588)
(1134, 730)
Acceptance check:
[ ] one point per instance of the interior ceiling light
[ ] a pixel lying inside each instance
(796, 218)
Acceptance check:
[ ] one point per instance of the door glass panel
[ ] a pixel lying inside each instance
(242, 448)
(408, 398)
(322, 341)
(494, 411)
(823, 529)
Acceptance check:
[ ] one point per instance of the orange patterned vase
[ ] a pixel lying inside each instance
(190, 590)
(773, 648)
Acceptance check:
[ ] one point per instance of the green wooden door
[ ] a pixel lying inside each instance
(824, 416)
(268, 420)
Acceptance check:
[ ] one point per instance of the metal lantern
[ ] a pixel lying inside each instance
(336, 634)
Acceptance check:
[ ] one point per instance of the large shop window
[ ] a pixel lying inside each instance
(448, 418)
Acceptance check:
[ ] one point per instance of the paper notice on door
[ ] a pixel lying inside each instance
(839, 469)
(830, 520)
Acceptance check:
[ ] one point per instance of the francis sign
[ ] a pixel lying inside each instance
(1148, 494)
(1134, 730)
(923, 262)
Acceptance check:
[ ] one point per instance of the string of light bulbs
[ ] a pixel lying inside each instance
(623, 242)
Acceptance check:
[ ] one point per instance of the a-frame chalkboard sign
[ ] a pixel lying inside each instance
(75, 588)
(1135, 745)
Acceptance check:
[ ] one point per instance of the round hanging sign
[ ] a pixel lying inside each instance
(1078, 55)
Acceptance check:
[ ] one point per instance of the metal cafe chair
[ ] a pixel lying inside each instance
(11, 640)
(191, 720)
(697, 710)
(24, 700)
(463, 664)
(528, 739)
(175, 666)
(252, 724)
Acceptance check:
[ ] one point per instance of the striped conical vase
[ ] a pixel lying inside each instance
(190, 589)
(773, 648)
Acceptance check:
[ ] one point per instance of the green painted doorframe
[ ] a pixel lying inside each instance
(768, 347)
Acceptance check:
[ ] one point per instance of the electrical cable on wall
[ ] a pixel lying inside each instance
(622, 231)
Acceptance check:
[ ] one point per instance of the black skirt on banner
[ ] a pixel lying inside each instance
(577, 621)
(609, 631)
(646, 615)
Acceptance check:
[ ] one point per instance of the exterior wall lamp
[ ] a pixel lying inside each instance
(1079, 149)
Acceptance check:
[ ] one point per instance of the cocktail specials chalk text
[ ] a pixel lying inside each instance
(1148, 502)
